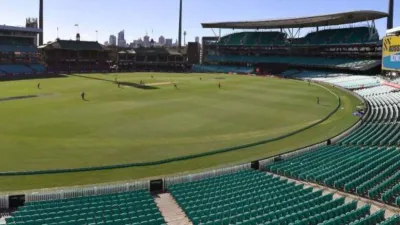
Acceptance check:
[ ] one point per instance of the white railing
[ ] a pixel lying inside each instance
(199, 176)
(345, 133)
(292, 154)
(4, 202)
(87, 191)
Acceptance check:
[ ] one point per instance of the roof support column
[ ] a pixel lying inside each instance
(297, 35)
(212, 29)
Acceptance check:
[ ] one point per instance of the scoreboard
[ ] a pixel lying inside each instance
(391, 53)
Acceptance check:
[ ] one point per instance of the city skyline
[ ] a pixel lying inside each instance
(164, 20)
(145, 41)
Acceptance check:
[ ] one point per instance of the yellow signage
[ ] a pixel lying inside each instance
(391, 53)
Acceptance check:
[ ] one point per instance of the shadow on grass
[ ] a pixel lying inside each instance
(30, 77)
(18, 97)
(128, 84)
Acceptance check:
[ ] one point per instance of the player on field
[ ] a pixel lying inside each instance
(219, 85)
(318, 100)
(176, 86)
(38, 86)
(83, 96)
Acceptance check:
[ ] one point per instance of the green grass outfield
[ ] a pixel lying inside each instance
(128, 124)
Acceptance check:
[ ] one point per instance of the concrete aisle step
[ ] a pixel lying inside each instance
(170, 210)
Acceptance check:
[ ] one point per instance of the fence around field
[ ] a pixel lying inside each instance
(45, 195)
(4, 202)
(199, 176)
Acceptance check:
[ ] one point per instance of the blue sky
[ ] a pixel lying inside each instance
(160, 17)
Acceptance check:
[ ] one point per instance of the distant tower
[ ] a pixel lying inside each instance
(41, 21)
(180, 25)
(390, 17)
(78, 37)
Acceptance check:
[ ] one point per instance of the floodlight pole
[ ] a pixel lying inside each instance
(41, 22)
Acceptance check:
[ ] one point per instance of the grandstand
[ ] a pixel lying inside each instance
(67, 56)
(240, 196)
(151, 59)
(251, 197)
(19, 56)
(366, 162)
(135, 207)
(351, 48)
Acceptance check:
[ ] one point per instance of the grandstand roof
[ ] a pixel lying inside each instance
(24, 29)
(130, 52)
(156, 51)
(393, 31)
(75, 45)
(300, 22)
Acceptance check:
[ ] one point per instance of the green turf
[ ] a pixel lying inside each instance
(121, 125)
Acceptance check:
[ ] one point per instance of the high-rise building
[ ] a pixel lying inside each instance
(121, 39)
(146, 41)
(122, 43)
(106, 43)
(168, 42)
(197, 39)
(121, 35)
(139, 42)
(112, 40)
(161, 40)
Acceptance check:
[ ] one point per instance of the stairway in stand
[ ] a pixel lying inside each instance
(170, 210)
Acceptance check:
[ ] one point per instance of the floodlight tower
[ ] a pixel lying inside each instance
(41, 21)
(180, 25)
(390, 17)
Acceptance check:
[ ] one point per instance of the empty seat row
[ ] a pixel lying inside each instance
(134, 207)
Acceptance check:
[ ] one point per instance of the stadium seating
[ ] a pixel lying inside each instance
(375, 90)
(354, 64)
(338, 36)
(357, 35)
(290, 73)
(222, 69)
(136, 207)
(396, 81)
(253, 197)
(340, 79)
(38, 68)
(367, 162)
(17, 69)
(16, 48)
(350, 81)
(254, 38)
